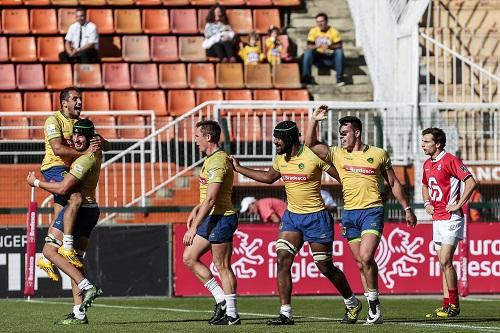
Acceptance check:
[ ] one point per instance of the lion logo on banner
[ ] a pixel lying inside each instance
(396, 256)
(244, 251)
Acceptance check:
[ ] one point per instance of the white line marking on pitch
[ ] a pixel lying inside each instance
(433, 324)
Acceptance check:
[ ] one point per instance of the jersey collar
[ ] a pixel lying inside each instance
(213, 153)
(301, 149)
(63, 114)
(439, 157)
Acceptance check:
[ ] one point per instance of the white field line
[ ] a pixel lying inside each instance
(429, 325)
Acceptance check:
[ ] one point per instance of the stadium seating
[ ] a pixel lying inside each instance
(88, 75)
(103, 19)
(148, 2)
(190, 49)
(7, 77)
(164, 48)
(37, 101)
(105, 126)
(15, 22)
(136, 126)
(232, 2)
(110, 48)
(36, 2)
(22, 49)
(128, 21)
(240, 20)
(116, 76)
(259, 2)
(43, 21)
(4, 50)
(136, 48)
(258, 76)
(123, 100)
(264, 18)
(286, 76)
(201, 76)
(48, 48)
(267, 95)
(229, 76)
(155, 21)
(56, 103)
(95, 101)
(11, 101)
(144, 76)
(30, 77)
(65, 17)
(173, 76)
(153, 100)
(21, 132)
(180, 101)
(183, 21)
(58, 76)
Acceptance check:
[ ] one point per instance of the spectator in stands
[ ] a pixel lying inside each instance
(330, 203)
(270, 210)
(251, 53)
(81, 41)
(324, 49)
(474, 213)
(219, 35)
(273, 46)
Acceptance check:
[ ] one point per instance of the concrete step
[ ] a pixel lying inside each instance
(333, 5)
(347, 89)
(313, 11)
(339, 23)
(343, 97)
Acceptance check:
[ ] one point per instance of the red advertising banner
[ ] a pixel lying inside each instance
(406, 257)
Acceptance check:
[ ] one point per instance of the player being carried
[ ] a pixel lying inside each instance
(83, 175)
(362, 169)
(305, 219)
(444, 198)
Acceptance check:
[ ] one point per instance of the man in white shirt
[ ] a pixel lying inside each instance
(81, 41)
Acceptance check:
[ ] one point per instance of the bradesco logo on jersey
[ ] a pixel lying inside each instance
(294, 178)
(359, 169)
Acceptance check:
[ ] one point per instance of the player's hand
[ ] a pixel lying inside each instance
(189, 236)
(191, 219)
(429, 209)
(31, 178)
(236, 162)
(452, 208)
(320, 113)
(95, 144)
(411, 219)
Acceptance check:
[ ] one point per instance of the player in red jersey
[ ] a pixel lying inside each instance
(444, 195)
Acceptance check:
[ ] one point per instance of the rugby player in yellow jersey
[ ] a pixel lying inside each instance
(84, 175)
(305, 220)
(212, 223)
(362, 170)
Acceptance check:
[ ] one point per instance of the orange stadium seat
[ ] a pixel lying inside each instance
(201, 76)
(105, 126)
(123, 100)
(7, 77)
(30, 77)
(92, 2)
(190, 49)
(4, 50)
(229, 76)
(286, 3)
(43, 21)
(259, 3)
(103, 19)
(209, 95)
(144, 76)
(116, 76)
(267, 95)
(240, 20)
(137, 128)
(180, 102)
(65, 2)
(37, 101)
(173, 76)
(11, 102)
(49, 48)
(120, 2)
(153, 100)
(16, 133)
(148, 2)
(175, 2)
(95, 101)
(258, 76)
(164, 48)
(162, 121)
(202, 19)
(58, 76)
(36, 2)
(231, 2)
(183, 21)
(155, 21)
(22, 49)
(38, 122)
(286, 76)
(202, 2)
(110, 48)
(295, 95)
(11, 2)
(237, 95)
(128, 21)
(136, 48)
(56, 103)
(15, 22)
(264, 18)
(65, 17)
(87, 75)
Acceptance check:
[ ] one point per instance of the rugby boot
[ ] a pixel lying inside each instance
(374, 313)
(71, 319)
(219, 312)
(71, 256)
(228, 320)
(280, 320)
(351, 314)
(451, 311)
(89, 295)
(48, 268)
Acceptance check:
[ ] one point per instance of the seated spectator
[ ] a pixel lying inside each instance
(273, 46)
(251, 53)
(81, 41)
(324, 49)
(270, 210)
(219, 35)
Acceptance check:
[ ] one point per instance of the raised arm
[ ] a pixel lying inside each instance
(268, 177)
(63, 187)
(397, 190)
(310, 139)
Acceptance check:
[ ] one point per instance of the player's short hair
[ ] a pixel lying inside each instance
(438, 135)
(81, 9)
(354, 121)
(210, 127)
(322, 15)
(287, 131)
(64, 94)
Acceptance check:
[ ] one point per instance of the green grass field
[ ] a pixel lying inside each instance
(312, 314)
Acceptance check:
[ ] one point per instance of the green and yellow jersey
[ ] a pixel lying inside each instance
(58, 125)
(87, 168)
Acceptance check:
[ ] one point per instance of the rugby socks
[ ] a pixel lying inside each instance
(78, 314)
(372, 295)
(215, 289)
(286, 310)
(351, 302)
(231, 310)
(446, 302)
(67, 242)
(453, 294)
(85, 285)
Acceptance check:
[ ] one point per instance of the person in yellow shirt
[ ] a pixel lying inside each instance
(273, 46)
(324, 49)
(305, 219)
(362, 169)
(251, 53)
(212, 223)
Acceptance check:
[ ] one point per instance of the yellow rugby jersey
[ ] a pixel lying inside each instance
(56, 126)
(302, 177)
(318, 37)
(360, 175)
(217, 168)
(87, 169)
(251, 55)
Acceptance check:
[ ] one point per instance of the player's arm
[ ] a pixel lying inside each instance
(397, 189)
(332, 171)
(64, 187)
(62, 150)
(274, 218)
(268, 177)
(429, 208)
(310, 139)
(470, 185)
(100, 143)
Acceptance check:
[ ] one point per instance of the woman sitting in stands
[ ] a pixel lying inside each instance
(219, 35)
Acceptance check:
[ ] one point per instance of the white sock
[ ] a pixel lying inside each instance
(85, 285)
(366, 295)
(372, 295)
(215, 289)
(351, 301)
(232, 309)
(78, 314)
(286, 310)
(68, 242)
